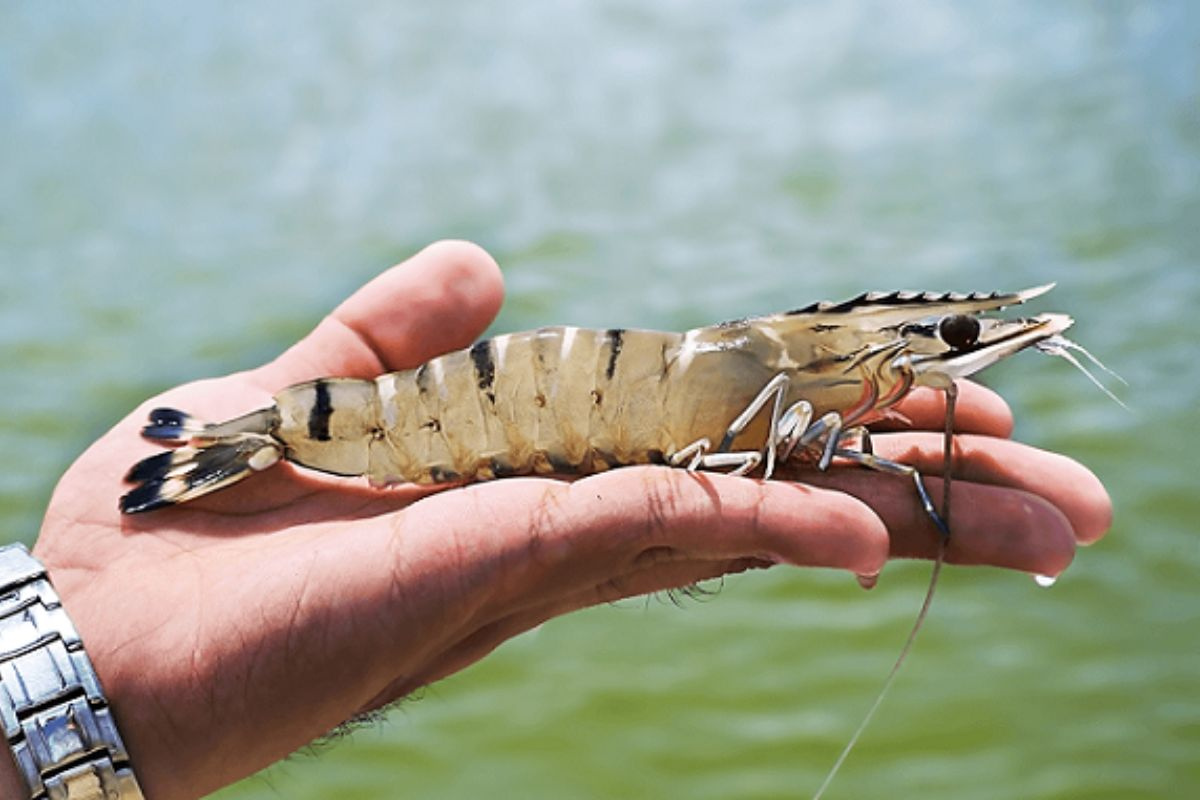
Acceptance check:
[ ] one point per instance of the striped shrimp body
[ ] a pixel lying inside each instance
(562, 400)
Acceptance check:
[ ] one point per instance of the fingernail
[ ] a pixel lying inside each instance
(867, 581)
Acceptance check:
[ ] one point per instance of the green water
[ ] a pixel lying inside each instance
(184, 192)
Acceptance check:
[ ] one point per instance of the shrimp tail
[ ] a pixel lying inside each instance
(211, 457)
(171, 425)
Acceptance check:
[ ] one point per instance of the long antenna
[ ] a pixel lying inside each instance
(939, 560)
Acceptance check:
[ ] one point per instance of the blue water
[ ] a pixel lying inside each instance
(186, 190)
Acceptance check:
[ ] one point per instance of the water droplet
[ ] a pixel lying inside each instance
(1045, 581)
(867, 581)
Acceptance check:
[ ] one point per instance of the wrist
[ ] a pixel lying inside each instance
(61, 739)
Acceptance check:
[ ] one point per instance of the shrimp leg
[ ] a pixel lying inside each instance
(697, 453)
(790, 429)
(865, 458)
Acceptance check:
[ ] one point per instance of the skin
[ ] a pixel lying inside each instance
(229, 632)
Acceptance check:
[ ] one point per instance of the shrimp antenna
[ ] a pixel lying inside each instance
(1061, 345)
(891, 678)
(938, 561)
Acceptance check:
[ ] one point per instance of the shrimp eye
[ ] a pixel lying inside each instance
(959, 331)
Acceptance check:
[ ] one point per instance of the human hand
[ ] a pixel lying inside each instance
(230, 631)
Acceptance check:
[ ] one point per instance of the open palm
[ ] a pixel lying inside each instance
(231, 631)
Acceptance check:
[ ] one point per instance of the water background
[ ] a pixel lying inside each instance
(185, 190)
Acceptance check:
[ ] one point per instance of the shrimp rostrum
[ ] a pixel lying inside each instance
(737, 397)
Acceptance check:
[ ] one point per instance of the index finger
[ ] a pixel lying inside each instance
(977, 410)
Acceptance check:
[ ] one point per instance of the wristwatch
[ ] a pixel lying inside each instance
(57, 722)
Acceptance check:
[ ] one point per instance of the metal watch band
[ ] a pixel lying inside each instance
(56, 720)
